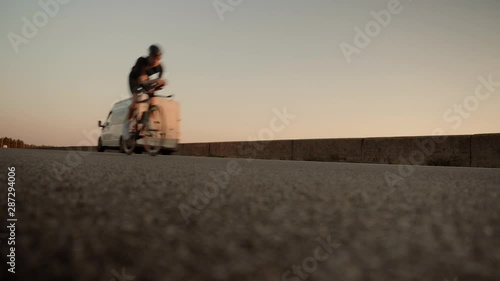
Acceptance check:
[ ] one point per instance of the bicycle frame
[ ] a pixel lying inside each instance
(148, 126)
(145, 114)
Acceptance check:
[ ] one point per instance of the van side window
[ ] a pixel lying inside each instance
(118, 116)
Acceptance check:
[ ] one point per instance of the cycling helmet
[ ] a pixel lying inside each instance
(154, 50)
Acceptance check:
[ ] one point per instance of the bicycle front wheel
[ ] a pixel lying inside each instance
(154, 133)
(129, 145)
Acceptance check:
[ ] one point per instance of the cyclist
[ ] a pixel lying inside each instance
(139, 77)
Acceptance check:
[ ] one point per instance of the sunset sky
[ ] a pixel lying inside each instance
(230, 70)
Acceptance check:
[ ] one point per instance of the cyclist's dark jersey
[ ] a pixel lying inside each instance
(142, 67)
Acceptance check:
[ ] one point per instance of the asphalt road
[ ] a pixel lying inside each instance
(109, 216)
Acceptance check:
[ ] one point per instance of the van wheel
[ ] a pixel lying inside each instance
(100, 147)
(122, 150)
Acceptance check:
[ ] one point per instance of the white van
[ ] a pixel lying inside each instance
(111, 135)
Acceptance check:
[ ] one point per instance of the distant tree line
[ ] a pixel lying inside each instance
(16, 143)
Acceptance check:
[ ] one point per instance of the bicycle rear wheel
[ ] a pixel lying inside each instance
(154, 133)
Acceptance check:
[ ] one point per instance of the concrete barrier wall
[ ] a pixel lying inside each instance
(193, 149)
(227, 149)
(422, 150)
(335, 150)
(427, 150)
(281, 150)
(485, 151)
(69, 148)
(460, 151)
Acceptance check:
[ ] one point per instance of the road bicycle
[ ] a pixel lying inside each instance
(146, 125)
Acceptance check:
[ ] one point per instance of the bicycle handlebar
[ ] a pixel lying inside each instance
(150, 88)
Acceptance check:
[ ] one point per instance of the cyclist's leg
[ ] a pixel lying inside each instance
(131, 110)
(133, 85)
(135, 94)
(133, 106)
